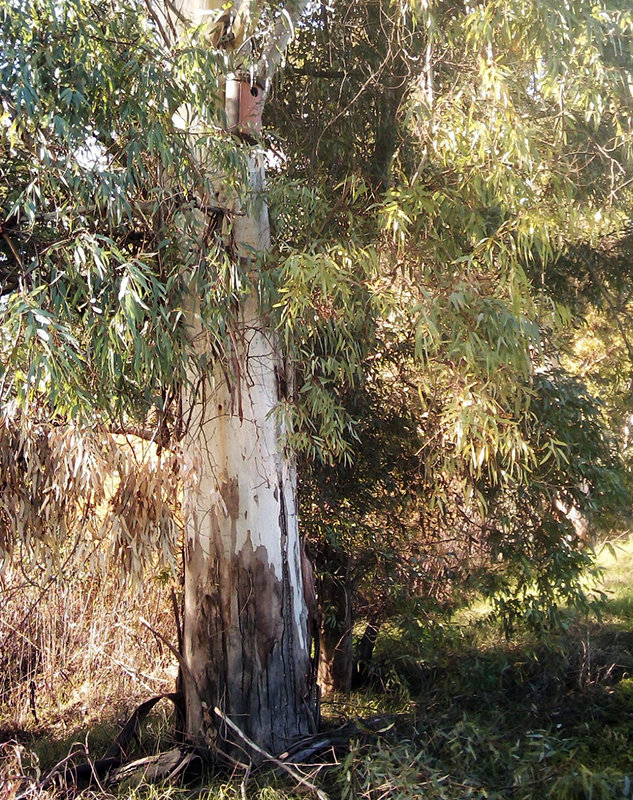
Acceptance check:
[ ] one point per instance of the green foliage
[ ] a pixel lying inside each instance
(326, 315)
(418, 531)
(438, 168)
(492, 145)
(509, 720)
(540, 530)
(104, 203)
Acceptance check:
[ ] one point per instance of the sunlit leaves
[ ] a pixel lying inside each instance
(326, 315)
(503, 141)
(435, 164)
(519, 145)
(112, 153)
(540, 530)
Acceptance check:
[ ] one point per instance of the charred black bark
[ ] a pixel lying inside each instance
(245, 637)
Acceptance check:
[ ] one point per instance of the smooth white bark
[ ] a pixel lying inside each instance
(246, 627)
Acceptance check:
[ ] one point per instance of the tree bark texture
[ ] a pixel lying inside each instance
(246, 638)
(246, 642)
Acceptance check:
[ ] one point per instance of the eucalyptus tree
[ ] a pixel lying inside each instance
(140, 294)
(133, 233)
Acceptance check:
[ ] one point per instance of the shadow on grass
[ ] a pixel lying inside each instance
(476, 717)
(515, 720)
(84, 739)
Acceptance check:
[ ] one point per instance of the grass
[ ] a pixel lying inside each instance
(75, 660)
(616, 559)
(472, 715)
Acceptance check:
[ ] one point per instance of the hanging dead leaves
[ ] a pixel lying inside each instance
(72, 494)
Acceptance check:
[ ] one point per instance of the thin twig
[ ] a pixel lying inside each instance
(14, 250)
(188, 677)
(166, 642)
(245, 781)
(56, 771)
(181, 661)
(301, 780)
(133, 673)
(95, 776)
(159, 24)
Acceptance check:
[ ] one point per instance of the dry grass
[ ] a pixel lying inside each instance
(73, 654)
(79, 509)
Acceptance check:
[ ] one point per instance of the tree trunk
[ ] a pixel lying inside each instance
(246, 642)
(365, 651)
(246, 638)
(335, 635)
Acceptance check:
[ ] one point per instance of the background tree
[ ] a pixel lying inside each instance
(505, 148)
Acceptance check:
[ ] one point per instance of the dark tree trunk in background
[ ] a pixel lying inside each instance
(365, 652)
(335, 635)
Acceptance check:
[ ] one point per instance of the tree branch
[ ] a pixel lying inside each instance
(281, 36)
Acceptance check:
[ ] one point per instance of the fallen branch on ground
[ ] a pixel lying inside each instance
(301, 779)
(66, 773)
